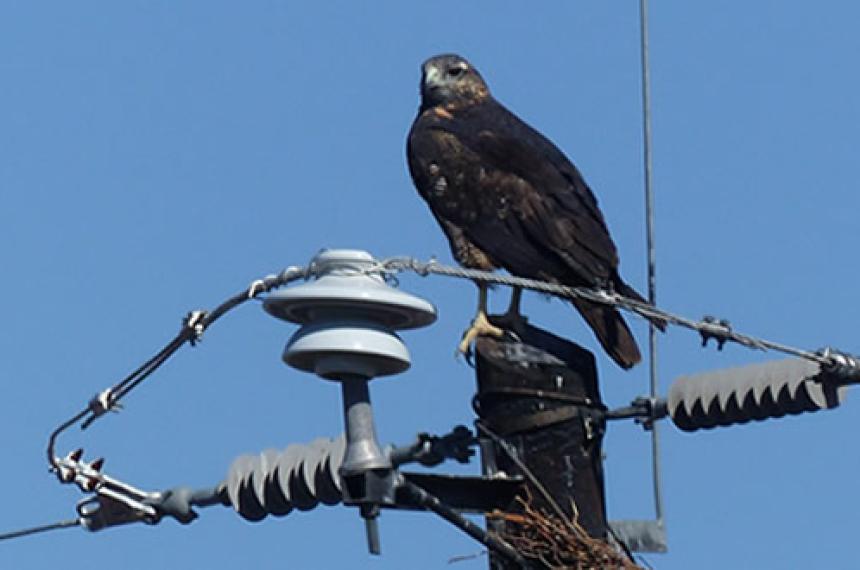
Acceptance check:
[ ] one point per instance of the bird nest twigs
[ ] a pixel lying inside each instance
(558, 544)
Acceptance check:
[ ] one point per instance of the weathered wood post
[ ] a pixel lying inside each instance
(538, 400)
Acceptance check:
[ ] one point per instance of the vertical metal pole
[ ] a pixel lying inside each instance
(652, 258)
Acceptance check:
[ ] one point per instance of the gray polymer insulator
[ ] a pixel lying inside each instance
(755, 392)
(276, 482)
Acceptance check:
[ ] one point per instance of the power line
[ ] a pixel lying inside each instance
(193, 326)
(708, 327)
(197, 321)
(132, 502)
(44, 528)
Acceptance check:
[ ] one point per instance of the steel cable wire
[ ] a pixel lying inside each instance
(193, 326)
(43, 528)
(708, 327)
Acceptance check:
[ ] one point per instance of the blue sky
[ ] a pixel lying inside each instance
(158, 157)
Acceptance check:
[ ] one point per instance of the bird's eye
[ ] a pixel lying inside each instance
(456, 71)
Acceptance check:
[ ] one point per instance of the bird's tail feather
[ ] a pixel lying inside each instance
(628, 291)
(612, 332)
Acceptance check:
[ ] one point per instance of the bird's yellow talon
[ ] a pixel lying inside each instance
(481, 326)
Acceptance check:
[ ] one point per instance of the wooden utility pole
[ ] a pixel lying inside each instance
(541, 417)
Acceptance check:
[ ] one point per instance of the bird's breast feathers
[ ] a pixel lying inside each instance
(452, 176)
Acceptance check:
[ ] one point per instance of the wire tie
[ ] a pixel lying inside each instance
(100, 404)
(193, 321)
(422, 269)
(717, 330)
(256, 287)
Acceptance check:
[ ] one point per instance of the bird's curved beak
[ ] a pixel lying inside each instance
(430, 76)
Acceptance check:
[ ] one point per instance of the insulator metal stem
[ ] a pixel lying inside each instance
(362, 449)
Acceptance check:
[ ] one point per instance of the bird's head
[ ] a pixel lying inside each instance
(450, 80)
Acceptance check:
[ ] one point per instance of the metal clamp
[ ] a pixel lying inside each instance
(114, 502)
(431, 450)
(643, 409)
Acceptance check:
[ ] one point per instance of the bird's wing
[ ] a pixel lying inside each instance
(553, 215)
(503, 189)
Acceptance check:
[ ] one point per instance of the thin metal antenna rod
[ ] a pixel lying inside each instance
(652, 258)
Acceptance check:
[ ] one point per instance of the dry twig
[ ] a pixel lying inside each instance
(556, 543)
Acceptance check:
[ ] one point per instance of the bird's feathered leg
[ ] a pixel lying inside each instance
(512, 321)
(512, 316)
(480, 325)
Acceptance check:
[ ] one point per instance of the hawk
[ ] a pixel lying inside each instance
(506, 197)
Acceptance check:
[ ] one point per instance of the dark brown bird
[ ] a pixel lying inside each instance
(506, 197)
